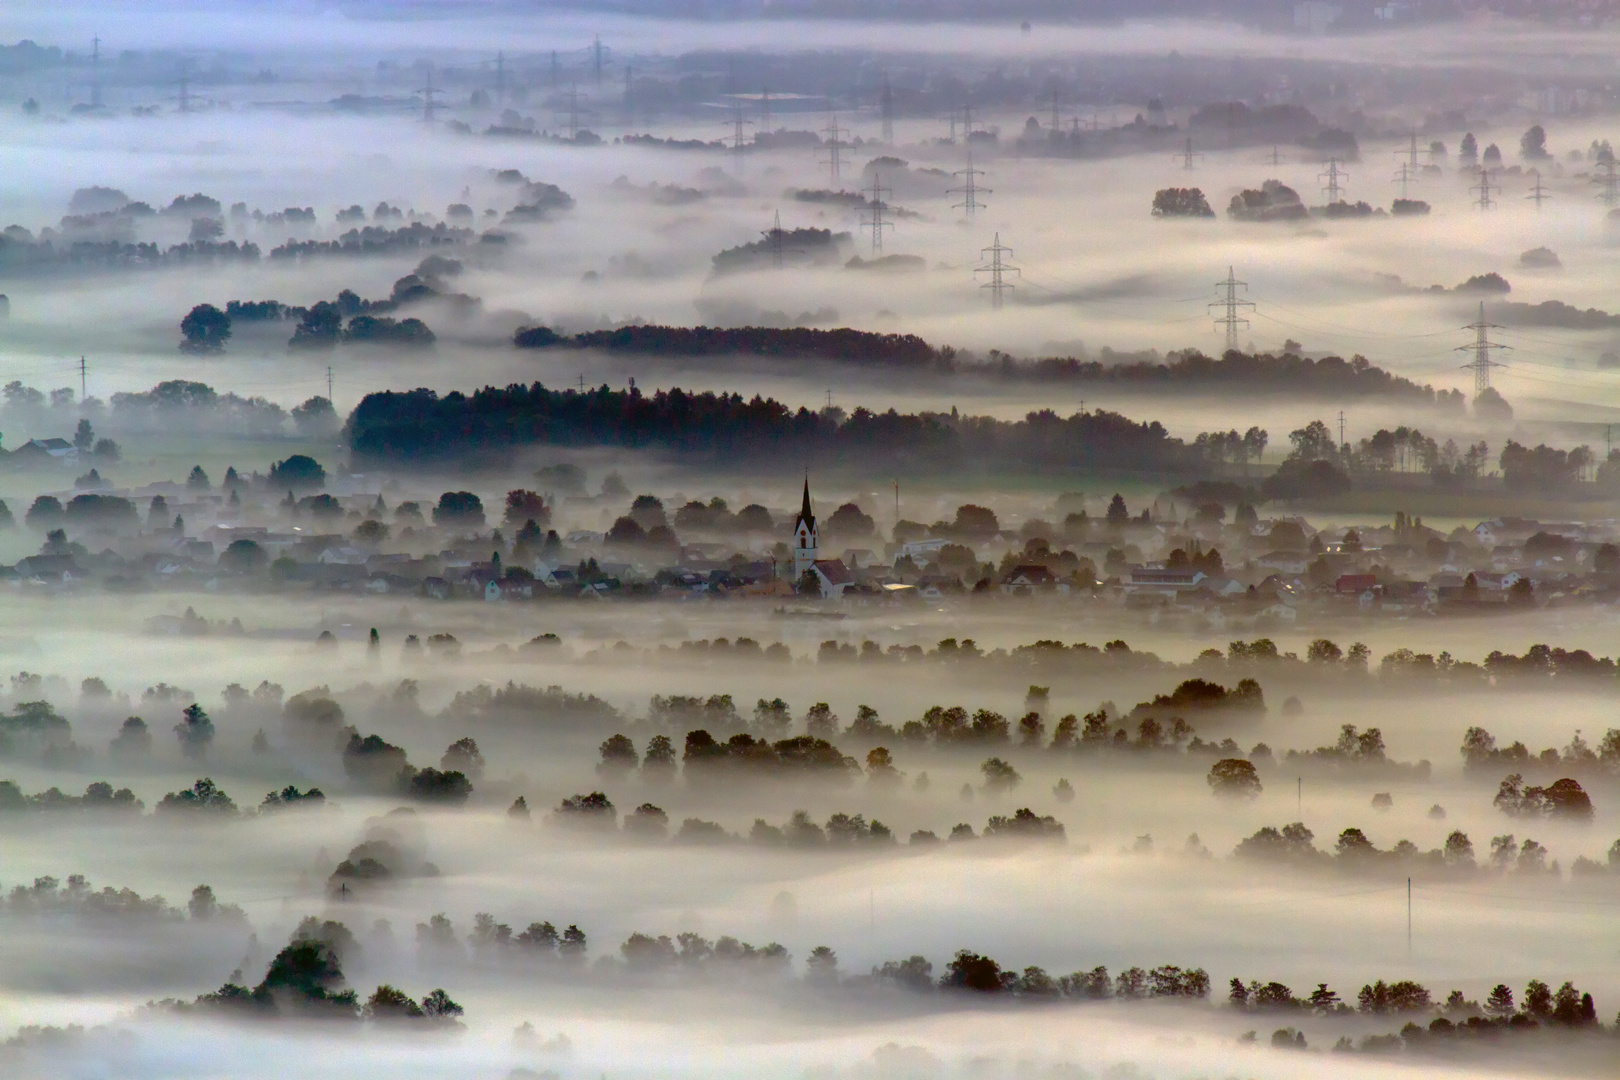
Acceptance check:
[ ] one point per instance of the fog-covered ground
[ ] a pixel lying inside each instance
(1127, 886)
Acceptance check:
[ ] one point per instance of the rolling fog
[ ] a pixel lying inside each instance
(1146, 871)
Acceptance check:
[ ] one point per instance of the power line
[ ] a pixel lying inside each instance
(1230, 305)
(834, 148)
(1484, 202)
(1610, 179)
(886, 109)
(1481, 348)
(1333, 174)
(875, 210)
(997, 268)
(970, 189)
(1188, 157)
(1538, 194)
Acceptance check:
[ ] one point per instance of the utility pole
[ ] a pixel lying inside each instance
(1333, 188)
(1229, 305)
(427, 93)
(1276, 157)
(82, 392)
(998, 268)
(1404, 177)
(95, 72)
(1610, 179)
(886, 109)
(500, 78)
(774, 239)
(573, 98)
(970, 189)
(1539, 193)
(597, 49)
(1341, 427)
(1188, 157)
(875, 211)
(1484, 202)
(1409, 919)
(764, 111)
(834, 149)
(1481, 348)
(328, 382)
(738, 146)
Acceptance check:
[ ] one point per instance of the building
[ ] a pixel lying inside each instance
(805, 537)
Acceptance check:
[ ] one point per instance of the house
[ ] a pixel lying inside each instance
(1160, 581)
(1355, 583)
(46, 450)
(436, 588)
(833, 577)
(1285, 562)
(1027, 580)
(920, 551)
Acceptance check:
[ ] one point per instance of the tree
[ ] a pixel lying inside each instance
(1181, 202)
(315, 418)
(459, 510)
(1500, 1002)
(1468, 149)
(1533, 144)
(206, 329)
(388, 1003)
(1117, 513)
(298, 473)
(849, 523)
(970, 971)
(821, 967)
(195, 730)
(197, 480)
(320, 327)
(244, 557)
(524, 506)
(45, 513)
(84, 437)
(1234, 778)
(999, 776)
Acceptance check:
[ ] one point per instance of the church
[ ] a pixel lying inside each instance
(832, 575)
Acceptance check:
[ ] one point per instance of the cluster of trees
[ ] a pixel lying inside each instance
(378, 764)
(377, 240)
(1481, 754)
(76, 898)
(305, 980)
(856, 346)
(99, 795)
(1361, 751)
(974, 972)
(392, 427)
(694, 955)
(1563, 799)
(23, 256)
(1352, 850)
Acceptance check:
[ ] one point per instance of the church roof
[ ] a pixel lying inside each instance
(804, 512)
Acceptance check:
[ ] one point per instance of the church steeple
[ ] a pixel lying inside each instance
(804, 511)
(805, 536)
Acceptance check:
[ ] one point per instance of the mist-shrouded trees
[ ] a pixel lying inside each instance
(244, 557)
(315, 418)
(1182, 203)
(195, 731)
(1234, 778)
(205, 330)
(459, 510)
(300, 472)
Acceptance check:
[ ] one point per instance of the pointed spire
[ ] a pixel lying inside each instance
(804, 512)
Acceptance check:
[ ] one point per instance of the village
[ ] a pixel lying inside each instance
(1180, 558)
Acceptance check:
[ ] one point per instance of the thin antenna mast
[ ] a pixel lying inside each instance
(998, 268)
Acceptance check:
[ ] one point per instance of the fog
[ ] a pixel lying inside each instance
(523, 734)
